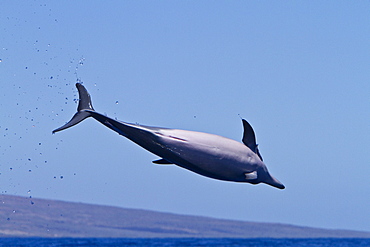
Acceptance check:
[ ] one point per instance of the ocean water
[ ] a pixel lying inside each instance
(56, 242)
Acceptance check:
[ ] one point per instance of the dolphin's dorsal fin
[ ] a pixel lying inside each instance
(162, 162)
(249, 138)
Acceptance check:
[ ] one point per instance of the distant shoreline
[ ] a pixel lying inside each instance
(22, 217)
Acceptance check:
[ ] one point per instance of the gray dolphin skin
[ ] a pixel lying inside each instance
(209, 155)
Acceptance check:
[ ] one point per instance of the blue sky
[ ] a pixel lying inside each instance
(298, 71)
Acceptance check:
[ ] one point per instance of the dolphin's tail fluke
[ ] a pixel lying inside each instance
(84, 104)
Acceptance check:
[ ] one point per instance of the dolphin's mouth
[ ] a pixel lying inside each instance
(274, 182)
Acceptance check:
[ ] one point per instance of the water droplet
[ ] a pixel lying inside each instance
(117, 102)
(61, 177)
(1, 60)
(32, 203)
(81, 62)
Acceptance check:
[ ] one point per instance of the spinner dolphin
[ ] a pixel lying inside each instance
(209, 155)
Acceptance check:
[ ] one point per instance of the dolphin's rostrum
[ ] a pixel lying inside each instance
(206, 154)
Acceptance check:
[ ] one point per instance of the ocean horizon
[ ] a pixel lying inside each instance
(228, 242)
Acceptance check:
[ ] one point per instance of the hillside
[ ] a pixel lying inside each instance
(26, 217)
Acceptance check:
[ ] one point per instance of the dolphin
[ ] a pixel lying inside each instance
(206, 154)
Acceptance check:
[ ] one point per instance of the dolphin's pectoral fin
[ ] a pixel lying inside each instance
(249, 138)
(162, 162)
(251, 175)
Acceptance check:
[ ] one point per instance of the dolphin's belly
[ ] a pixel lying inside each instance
(212, 155)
